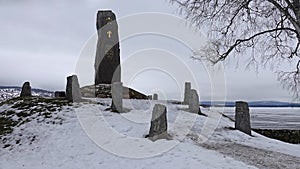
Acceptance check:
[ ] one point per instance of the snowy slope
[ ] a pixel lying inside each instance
(90, 137)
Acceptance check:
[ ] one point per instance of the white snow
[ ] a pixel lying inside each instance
(90, 137)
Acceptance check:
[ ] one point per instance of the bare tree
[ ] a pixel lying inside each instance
(267, 30)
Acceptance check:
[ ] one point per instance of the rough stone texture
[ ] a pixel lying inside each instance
(155, 96)
(107, 62)
(242, 117)
(117, 97)
(73, 90)
(194, 103)
(88, 91)
(59, 94)
(158, 129)
(150, 97)
(26, 90)
(104, 91)
(187, 92)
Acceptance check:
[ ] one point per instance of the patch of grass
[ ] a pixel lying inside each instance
(6, 125)
(41, 108)
(23, 114)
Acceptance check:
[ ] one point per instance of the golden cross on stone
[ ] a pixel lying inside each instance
(109, 33)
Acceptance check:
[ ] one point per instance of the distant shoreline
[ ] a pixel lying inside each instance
(270, 104)
(251, 104)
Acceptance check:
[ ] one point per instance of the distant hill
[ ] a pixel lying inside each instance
(8, 92)
(251, 104)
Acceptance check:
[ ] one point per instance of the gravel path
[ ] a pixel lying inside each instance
(256, 157)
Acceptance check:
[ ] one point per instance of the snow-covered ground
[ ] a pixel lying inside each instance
(91, 137)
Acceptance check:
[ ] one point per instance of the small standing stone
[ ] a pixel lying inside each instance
(187, 92)
(158, 129)
(155, 96)
(150, 97)
(242, 117)
(73, 90)
(117, 97)
(194, 104)
(26, 90)
(59, 94)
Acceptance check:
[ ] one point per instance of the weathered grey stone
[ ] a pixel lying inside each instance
(73, 90)
(194, 104)
(104, 91)
(187, 92)
(150, 97)
(107, 62)
(117, 97)
(159, 125)
(242, 117)
(155, 96)
(59, 94)
(26, 90)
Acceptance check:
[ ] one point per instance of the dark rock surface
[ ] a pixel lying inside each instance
(59, 94)
(117, 97)
(26, 90)
(73, 90)
(104, 91)
(155, 96)
(158, 128)
(242, 117)
(107, 62)
(187, 92)
(194, 104)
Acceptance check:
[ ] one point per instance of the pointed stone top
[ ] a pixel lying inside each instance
(26, 90)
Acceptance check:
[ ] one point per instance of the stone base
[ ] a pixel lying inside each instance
(104, 91)
(163, 135)
(188, 110)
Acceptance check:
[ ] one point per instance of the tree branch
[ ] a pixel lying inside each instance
(239, 41)
(285, 12)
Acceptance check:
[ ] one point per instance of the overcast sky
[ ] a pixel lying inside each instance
(43, 41)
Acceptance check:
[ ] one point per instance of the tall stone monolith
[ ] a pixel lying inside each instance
(159, 124)
(194, 103)
(107, 62)
(26, 90)
(187, 92)
(117, 97)
(73, 89)
(242, 117)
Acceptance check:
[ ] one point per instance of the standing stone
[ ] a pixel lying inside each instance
(242, 117)
(26, 90)
(187, 92)
(150, 97)
(107, 62)
(158, 128)
(117, 97)
(155, 96)
(60, 94)
(194, 104)
(73, 90)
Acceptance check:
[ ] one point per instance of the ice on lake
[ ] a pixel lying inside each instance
(270, 118)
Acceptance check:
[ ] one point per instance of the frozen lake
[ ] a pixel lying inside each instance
(271, 118)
